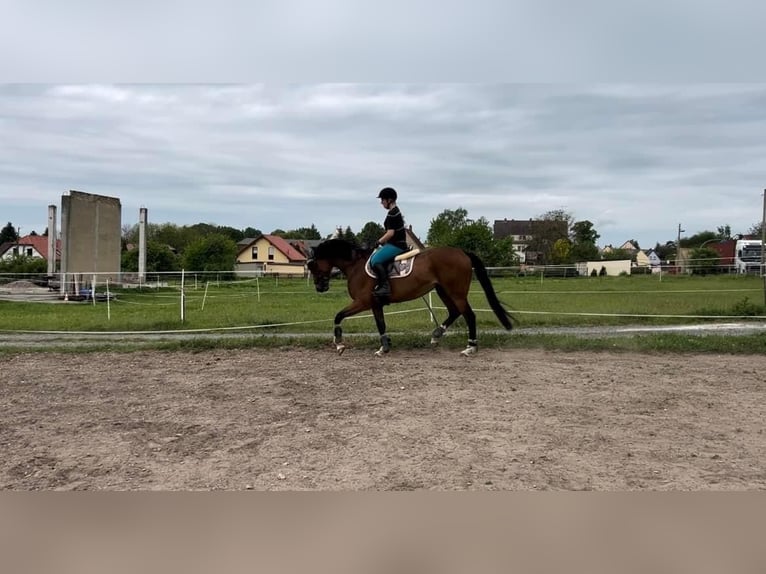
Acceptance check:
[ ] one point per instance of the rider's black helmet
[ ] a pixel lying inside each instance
(387, 193)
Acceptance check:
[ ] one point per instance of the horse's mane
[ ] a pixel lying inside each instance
(340, 249)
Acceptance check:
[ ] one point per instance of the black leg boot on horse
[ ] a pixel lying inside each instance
(382, 290)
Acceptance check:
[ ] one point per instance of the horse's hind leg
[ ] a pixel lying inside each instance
(470, 319)
(385, 340)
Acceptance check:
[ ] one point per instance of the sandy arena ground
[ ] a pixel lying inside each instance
(309, 420)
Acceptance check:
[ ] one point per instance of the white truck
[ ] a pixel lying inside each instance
(747, 256)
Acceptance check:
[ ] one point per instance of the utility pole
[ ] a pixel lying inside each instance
(678, 248)
(763, 246)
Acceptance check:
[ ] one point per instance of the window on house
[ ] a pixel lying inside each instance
(271, 253)
(255, 253)
(29, 252)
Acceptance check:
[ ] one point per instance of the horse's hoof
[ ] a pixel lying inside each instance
(469, 350)
(340, 348)
(436, 335)
(380, 352)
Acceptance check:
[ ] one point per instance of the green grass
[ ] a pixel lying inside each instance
(288, 306)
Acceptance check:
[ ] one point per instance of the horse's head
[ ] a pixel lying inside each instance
(320, 270)
(326, 257)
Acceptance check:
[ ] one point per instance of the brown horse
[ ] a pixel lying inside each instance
(446, 269)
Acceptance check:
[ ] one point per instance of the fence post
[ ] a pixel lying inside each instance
(205, 295)
(183, 298)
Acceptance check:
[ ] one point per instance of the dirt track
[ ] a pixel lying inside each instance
(308, 420)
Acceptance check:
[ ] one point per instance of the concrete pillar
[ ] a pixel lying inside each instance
(52, 233)
(64, 268)
(142, 217)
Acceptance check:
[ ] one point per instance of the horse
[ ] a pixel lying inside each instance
(448, 270)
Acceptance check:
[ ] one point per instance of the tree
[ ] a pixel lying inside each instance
(584, 238)
(699, 238)
(129, 232)
(303, 233)
(756, 229)
(230, 232)
(724, 232)
(584, 252)
(503, 254)
(666, 251)
(444, 226)
(23, 264)
(703, 260)
(347, 234)
(159, 257)
(170, 234)
(213, 252)
(560, 252)
(369, 234)
(453, 228)
(251, 232)
(583, 232)
(8, 234)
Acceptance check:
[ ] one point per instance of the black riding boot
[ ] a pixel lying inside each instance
(382, 289)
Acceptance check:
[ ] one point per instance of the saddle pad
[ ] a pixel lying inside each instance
(401, 266)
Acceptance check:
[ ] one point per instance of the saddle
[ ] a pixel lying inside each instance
(400, 267)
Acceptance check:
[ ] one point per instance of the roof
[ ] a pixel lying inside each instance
(506, 227)
(281, 244)
(629, 245)
(39, 242)
(304, 246)
(413, 239)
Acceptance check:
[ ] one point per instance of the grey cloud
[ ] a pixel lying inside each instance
(631, 158)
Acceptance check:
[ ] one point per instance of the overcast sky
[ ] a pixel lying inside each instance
(636, 116)
(635, 160)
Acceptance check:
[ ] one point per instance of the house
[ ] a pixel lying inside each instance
(520, 232)
(725, 249)
(413, 240)
(305, 246)
(269, 254)
(523, 231)
(647, 258)
(630, 246)
(35, 246)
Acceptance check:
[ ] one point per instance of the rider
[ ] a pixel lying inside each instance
(392, 243)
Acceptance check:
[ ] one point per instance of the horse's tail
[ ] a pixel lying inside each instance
(481, 273)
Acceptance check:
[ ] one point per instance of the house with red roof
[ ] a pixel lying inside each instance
(269, 255)
(35, 246)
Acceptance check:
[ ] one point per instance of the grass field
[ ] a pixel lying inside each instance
(293, 306)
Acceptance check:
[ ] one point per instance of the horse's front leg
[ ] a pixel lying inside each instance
(385, 340)
(439, 331)
(354, 308)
